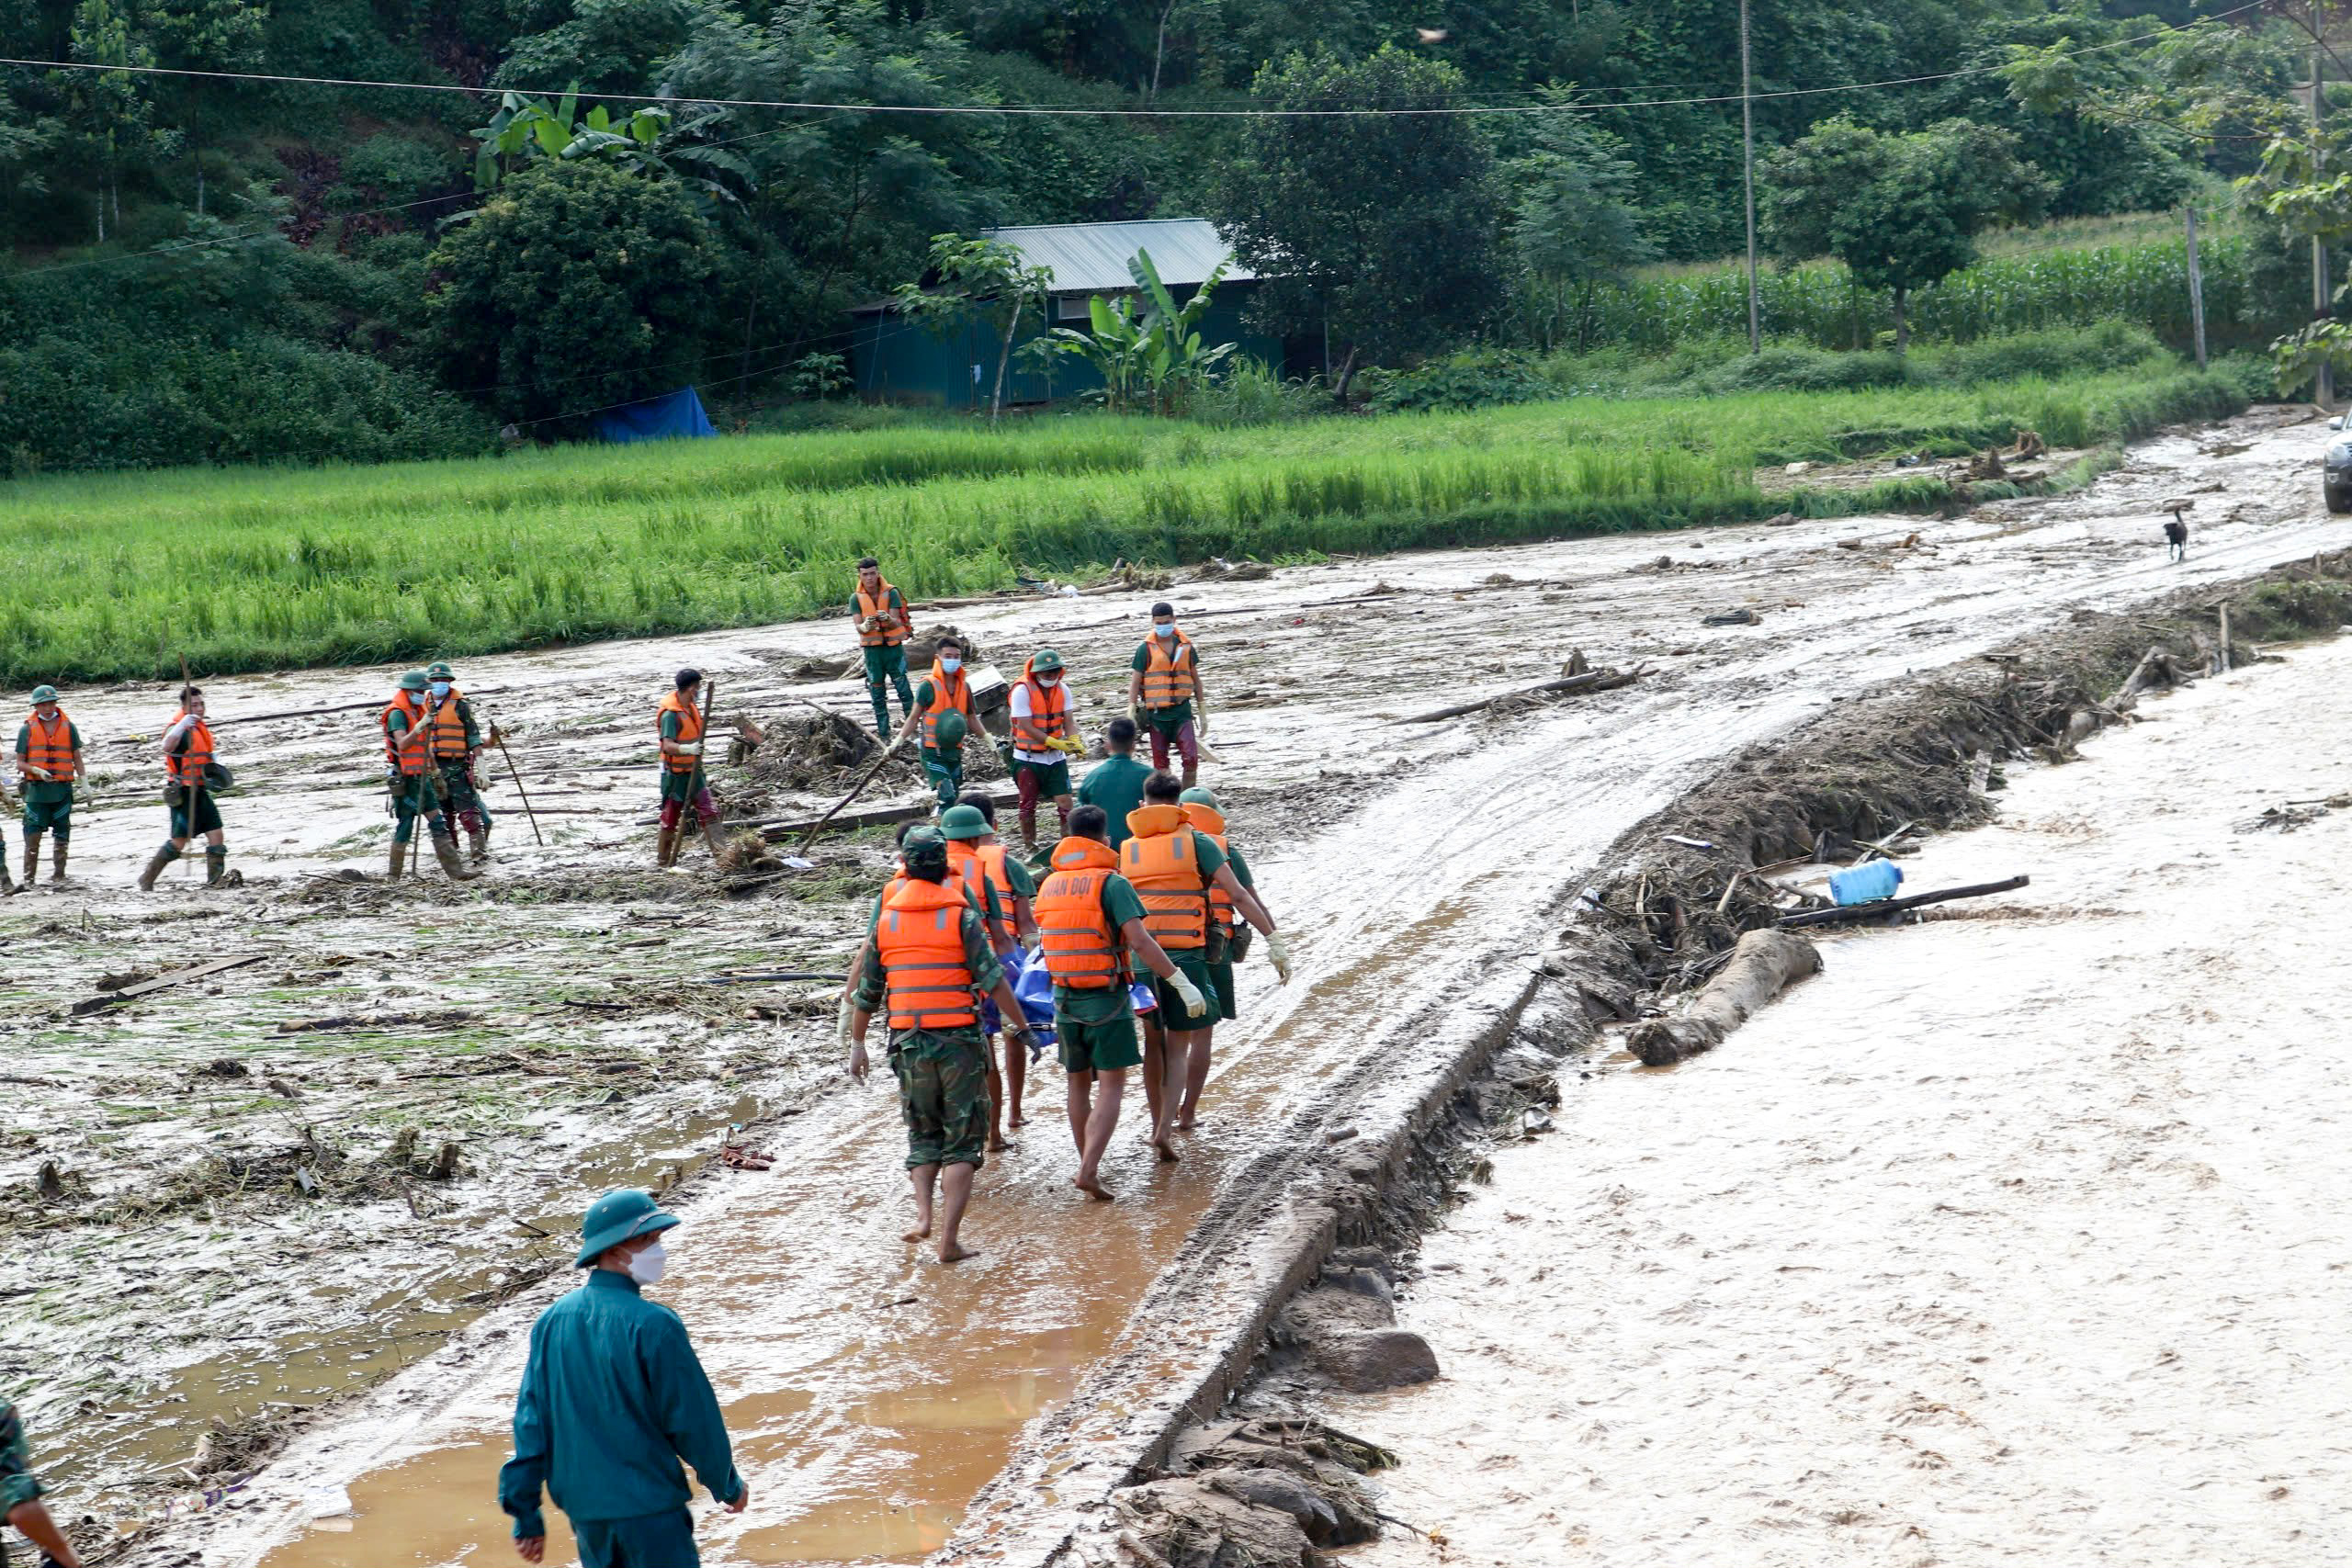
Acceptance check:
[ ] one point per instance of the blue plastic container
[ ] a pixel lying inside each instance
(1865, 884)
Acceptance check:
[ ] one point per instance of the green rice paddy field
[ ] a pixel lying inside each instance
(117, 575)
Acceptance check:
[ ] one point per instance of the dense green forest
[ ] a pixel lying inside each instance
(218, 267)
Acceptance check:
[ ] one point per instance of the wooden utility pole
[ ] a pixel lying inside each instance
(1747, 173)
(2196, 292)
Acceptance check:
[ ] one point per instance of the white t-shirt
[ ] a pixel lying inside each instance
(1020, 710)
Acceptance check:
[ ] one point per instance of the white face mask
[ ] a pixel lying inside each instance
(646, 1267)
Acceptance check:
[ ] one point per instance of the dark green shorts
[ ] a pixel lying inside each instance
(881, 663)
(682, 786)
(943, 1100)
(1053, 778)
(49, 815)
(1173, 1015)
(207, 817)
(1099, 1047)
(1221, 976)
(649, 1541)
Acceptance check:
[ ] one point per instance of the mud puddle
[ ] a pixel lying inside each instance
(852, 1400)
(2014, 1234)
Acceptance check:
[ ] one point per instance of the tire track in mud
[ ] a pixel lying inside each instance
(876, 1398)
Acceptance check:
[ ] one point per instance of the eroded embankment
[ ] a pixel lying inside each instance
(1262, 1484)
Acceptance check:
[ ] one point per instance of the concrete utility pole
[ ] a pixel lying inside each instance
(2326, 389)
(1747, 167)
(2195, 291)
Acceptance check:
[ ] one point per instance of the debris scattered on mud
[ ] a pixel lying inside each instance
(1253, 1493)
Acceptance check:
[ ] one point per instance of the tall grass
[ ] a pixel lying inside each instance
(2146, 283)
(117, 575)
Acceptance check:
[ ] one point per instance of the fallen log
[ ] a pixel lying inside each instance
(178, 976)
(1591, 680)
(2155, 667)
(851, 821)
(1763, 964)
(1896, 906)
(371, 704)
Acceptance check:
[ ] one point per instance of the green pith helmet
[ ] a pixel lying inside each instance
(1045, 659)
(924, 850)
(620, 1215)
(1201, 795)
(963, 822)
(952, 730)
(44, 694)
(413, 681)
(437, 670)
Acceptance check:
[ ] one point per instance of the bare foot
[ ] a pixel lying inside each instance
(1092, 1187)
(998, 1145)
(956, 1252)
(1016, 1120)
(1167, 1150)
(1184, 1124)
(921, 1233)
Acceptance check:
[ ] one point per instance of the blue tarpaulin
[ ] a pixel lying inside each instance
(657, 419)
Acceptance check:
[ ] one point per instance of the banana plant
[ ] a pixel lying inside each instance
(1155, 351)
(647, 139)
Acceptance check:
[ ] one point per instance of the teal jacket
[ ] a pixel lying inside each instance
(613, 1397)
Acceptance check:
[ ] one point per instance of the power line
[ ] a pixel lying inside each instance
(1052, 111)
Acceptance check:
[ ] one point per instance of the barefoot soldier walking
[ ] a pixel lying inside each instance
(932, 961)
(48, 756)
(1228, 939)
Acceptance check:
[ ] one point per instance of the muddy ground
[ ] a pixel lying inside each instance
(1916, 1272)
(252, 1215)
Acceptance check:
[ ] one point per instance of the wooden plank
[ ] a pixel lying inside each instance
(1895, 906)
(108, 999)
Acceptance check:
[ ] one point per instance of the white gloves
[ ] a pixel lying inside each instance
(841, 1025)
(1181, 984)
(1278, 955)
(686, 748)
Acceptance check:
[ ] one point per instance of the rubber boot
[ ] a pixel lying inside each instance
(881, 712)
(445, 850)
(57, 858)
(32, 858)
(710, 835)
(215, 863)
(399, 860)
(479, 838)
(1191, 774)
(1029, 829)
(155, 864)
(667, 852)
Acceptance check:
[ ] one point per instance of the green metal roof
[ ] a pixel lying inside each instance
(1091, 258)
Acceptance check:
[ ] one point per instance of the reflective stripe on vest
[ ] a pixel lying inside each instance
(1168, 677)
(921, 942)
(449, 729)
(410, 760)
(689, 730)
(949, 693)
(1165, 867)
(1221, 912)
(1048, 712)
(189, 765)
(974, 863)
(894, 630)
(1081, 950)
(49, 747)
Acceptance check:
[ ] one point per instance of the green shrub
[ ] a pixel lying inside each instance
(1476, 378)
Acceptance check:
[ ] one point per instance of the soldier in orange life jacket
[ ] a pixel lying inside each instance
(1091, 925)
(684, 782)
(190, 774)
(49, 758)
(930, 962)
(1165, 695)
(1228, 935)
(1044, 738)
(457, 738)
(410, 723)
(879, 612)
(944, 713)
(979, 858)
(1174, 866)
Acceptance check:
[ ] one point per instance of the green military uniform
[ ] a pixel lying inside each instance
(676, 786)
(1176, 717)
(1220, 949)
(943, 769)
(460, 798)
(48, 803)
(1094, 1028)
(414, 796)
(886, 663)
(1193, 961)
(943, 1073)
(1115, 785)
(18, 1485)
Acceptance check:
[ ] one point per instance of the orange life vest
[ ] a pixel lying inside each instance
(189, 765)
(449, 729)
(894, 622)
(975, 862)
(1221, 912)
(689, 730)
(949, 693)
(50, 746)
(1164, 864)
(921, 942)
(1081, 950)
(409, 758)
(899, 878)
(1048, 709)
(1168, 675)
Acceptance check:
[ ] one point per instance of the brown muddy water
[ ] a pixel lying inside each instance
(873, 1393)
(2014, 1237)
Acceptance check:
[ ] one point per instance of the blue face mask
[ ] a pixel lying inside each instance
(1167, 630)
(440, 688)
(949, 664)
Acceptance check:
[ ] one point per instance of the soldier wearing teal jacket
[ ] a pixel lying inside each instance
(613, 1397)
